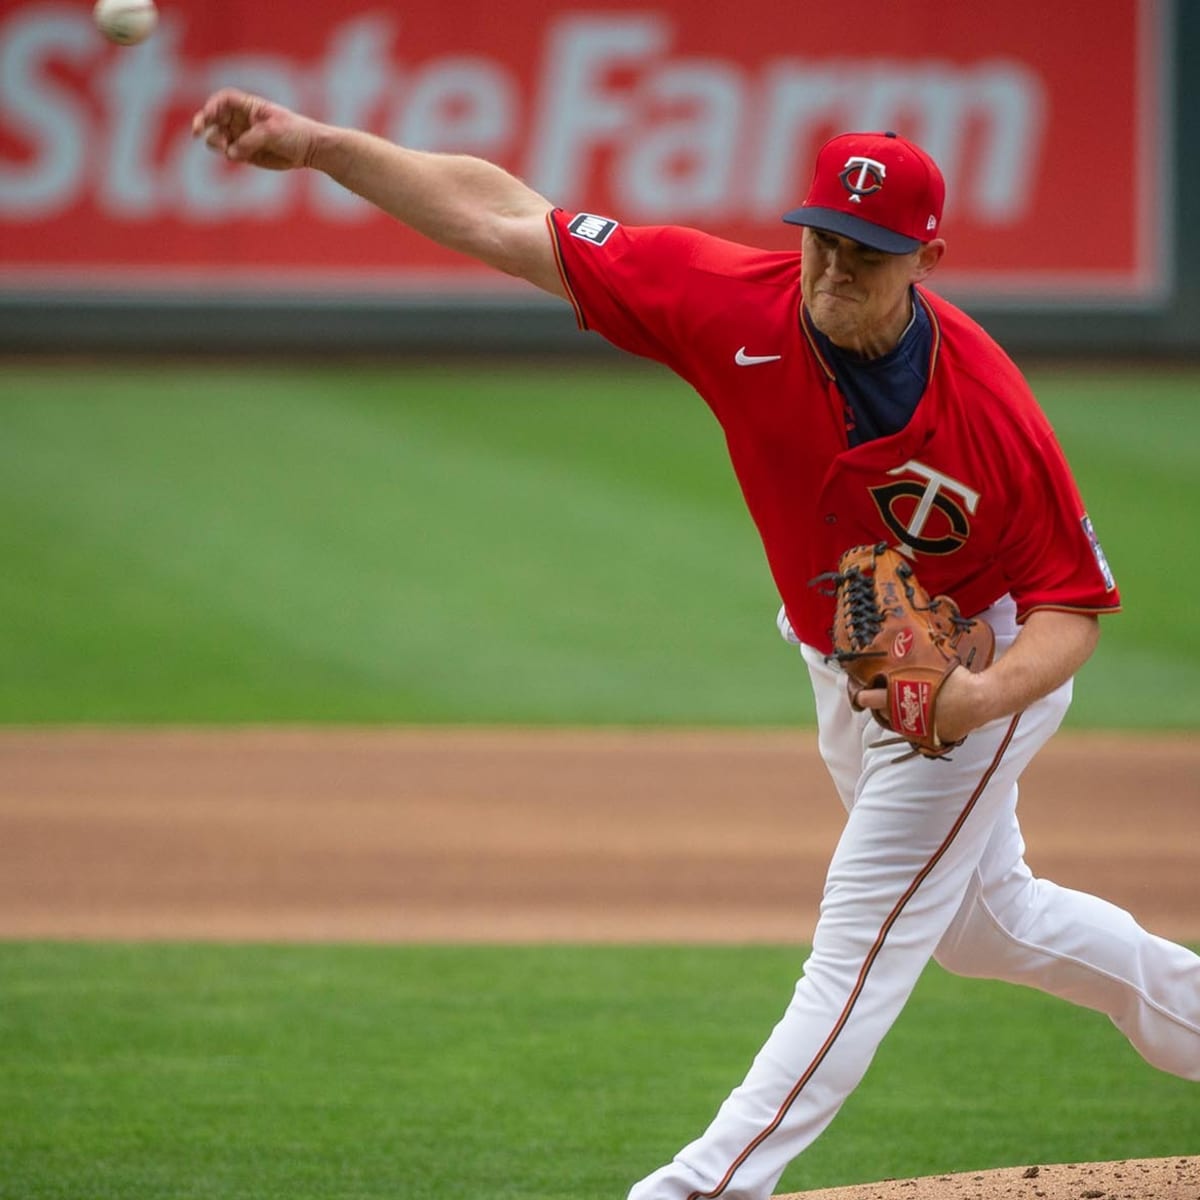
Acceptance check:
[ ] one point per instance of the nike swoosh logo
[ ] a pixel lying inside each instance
(752, 360)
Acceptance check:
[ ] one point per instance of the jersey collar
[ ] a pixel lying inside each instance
(810, 334)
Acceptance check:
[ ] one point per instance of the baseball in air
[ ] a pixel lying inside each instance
(125, 22)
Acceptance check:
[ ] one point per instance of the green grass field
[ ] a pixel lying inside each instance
(508, 543)
(205, 1072)
(504, 542)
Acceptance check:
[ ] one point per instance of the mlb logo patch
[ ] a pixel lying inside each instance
(591, 228)
(1098, 551)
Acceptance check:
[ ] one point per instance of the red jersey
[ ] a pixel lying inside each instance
(974, 489)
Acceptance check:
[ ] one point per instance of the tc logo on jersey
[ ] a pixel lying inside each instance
(591, 228)
(862, 176)
(927, 514)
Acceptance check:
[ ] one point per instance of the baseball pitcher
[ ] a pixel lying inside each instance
(938, 571)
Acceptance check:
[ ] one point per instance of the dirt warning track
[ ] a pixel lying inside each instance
(473, 835)
(441, 835)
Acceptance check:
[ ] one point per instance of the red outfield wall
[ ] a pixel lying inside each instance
(1049, 122)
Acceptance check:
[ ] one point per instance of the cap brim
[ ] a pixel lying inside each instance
(833, 221)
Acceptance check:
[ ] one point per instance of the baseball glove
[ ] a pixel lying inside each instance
(889, 634)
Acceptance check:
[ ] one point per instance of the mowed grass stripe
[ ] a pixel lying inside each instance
(515, 542)
(395, 548)
(198, 1071)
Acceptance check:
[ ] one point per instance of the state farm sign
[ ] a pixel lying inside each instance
(652, 114)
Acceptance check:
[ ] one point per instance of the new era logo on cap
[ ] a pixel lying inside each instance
(877, 188)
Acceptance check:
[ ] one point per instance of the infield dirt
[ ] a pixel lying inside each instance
(445, 835)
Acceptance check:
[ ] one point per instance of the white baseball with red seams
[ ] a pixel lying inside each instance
(125, 22)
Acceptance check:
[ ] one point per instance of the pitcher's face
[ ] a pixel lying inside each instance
(859, 297)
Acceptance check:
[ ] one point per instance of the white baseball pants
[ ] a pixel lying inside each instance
(930, 864)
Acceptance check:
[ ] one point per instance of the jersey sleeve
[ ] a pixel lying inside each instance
(1052, 557)
(630, 284)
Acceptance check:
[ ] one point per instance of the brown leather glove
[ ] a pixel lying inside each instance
(889, 634)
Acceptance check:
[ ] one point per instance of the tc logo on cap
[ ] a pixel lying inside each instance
(861, 176)
(875, 188)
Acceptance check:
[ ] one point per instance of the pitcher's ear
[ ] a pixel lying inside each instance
(928, 257)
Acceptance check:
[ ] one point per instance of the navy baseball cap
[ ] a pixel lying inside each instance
(876, 188)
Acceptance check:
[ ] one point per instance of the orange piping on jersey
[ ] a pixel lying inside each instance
(804, 324)
(868, 963)
(936, 326)
(562, 270)
(1067, 608)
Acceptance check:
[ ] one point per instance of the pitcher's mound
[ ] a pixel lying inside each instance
(1130, 1179)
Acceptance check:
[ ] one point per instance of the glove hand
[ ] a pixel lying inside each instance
(902, 650)
(957, 706)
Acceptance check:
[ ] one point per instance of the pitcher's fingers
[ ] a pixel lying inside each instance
(250, 141)
(216, 139)
(871, 698)
(220, 107)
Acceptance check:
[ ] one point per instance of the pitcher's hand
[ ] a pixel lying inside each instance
(249, 129)
(961, 703)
